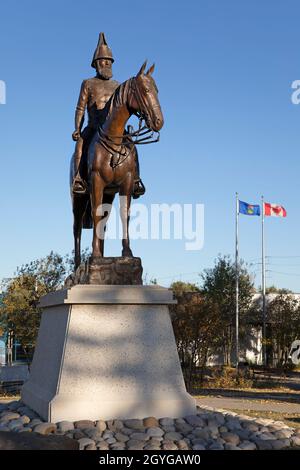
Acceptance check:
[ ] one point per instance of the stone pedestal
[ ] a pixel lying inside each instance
(107, 352)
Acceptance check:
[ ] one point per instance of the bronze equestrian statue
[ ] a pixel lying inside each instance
(110, 152)
(94, 94)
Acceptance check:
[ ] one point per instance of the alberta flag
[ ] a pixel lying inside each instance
(248, 209)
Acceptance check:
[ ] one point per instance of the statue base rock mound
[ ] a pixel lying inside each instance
(108, 271)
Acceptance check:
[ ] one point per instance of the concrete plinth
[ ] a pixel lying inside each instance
(107, 352)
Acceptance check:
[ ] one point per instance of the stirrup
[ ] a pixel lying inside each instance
(79, 186)
(139, 189)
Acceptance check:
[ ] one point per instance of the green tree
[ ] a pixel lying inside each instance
(19, 311)
(219, 286)
(180, 287)
(69, 260)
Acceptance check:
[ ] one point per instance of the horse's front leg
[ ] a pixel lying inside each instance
(107, 207)
(125, 200)
(97, 189)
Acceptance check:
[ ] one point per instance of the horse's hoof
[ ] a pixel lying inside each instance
(127, 253)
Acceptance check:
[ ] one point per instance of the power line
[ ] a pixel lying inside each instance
(253, 271)
(290, 256)
(177, 275)
(287, 274)
(282, 264)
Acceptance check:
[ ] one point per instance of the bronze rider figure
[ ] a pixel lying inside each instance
(94, 94)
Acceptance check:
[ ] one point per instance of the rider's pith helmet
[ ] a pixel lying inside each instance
(102, 50)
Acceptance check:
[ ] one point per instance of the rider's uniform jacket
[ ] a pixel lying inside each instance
(94, 94)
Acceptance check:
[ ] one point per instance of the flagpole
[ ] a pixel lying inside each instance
(263, 284)
(237, 281)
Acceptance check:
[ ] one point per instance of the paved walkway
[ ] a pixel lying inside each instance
(228, 403)
(5, 400)
(253, 405)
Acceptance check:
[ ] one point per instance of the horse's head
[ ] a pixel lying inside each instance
(144, 99)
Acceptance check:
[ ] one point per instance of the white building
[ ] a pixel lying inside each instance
(251, 345)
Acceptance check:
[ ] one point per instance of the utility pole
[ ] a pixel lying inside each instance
(263, 284)
(237, 282)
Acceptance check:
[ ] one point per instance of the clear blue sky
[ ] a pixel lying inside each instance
(224, 70)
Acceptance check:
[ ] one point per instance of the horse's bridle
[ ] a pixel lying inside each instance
(131, 136)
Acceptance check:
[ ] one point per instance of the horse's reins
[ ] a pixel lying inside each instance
(108, 140)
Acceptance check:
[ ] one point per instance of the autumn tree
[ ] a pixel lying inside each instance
(219, 286)
(195, 321)
(283, 317)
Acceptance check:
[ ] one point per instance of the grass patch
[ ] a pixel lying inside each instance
(9, 397)
(290, 419)
(249, 380)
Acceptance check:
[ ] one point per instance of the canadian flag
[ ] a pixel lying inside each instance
(274, 210)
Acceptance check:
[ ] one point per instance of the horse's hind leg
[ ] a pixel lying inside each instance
(79, 207)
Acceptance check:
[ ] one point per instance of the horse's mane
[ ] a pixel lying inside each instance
(119, 96)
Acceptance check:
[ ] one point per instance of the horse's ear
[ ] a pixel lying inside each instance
(142, 69)
(151, 70)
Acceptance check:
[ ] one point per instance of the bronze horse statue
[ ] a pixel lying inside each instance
(111, 160)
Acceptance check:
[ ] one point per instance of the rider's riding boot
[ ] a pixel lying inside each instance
(79, 186)
(138, 189)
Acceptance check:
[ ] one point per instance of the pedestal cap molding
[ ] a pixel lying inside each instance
(103, 294)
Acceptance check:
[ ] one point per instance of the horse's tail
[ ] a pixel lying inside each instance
(87, 218)
(71, 172)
